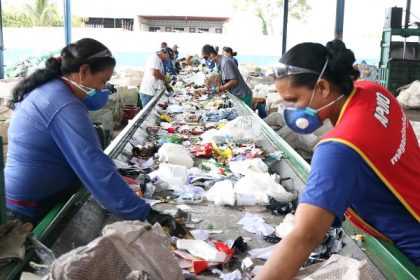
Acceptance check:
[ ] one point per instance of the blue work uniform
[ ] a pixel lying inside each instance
(53, 145)
(168, 66)
(340, 178)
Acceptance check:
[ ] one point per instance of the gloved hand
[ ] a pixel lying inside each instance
(164, 220)
(167, 221)
(169, 88)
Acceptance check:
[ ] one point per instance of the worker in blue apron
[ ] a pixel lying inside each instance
(53, 145)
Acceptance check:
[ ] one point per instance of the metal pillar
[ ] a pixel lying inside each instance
(285, 18)
(67, 21)
(1, 44)
(339, 20)
(407, 13)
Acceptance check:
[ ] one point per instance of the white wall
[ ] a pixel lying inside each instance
(121, 40)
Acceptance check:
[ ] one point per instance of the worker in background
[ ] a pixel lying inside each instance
(368, 163)
(154, 79)
(227, 51)
(175, 50)
(53, 145)
(232, 79)
(168, 66)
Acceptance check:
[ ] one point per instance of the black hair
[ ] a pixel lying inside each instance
(71, 58)
(312, 56)
(167, 50)
(208, 49)
(229, 50)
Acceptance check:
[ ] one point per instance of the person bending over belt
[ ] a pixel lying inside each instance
(53, 144)
(368, 164)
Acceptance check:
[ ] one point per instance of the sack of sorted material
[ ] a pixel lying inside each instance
(410, 97)
(337, 268)
(127, 250)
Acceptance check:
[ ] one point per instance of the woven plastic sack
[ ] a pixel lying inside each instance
(127, 250)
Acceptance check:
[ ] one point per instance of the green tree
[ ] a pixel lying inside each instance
(269, 11)
(77, 21)
(15, 18)
(42, 13)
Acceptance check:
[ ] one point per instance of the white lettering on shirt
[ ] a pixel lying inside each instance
(401, 147)
(382, 109)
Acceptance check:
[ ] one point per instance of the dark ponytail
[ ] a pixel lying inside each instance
(85, 51)
(340, 64)
(313, 56)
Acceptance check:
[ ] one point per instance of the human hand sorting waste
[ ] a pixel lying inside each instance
(168, 222)
(169, 88)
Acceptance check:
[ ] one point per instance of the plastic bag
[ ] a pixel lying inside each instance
(175, 154)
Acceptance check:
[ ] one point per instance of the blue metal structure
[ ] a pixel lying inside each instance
(67, 21)
(339, 20)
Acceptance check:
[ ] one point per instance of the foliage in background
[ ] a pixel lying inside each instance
(15, 18)
(269, 11)
(40, 13)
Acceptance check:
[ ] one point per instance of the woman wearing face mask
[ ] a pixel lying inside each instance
(368, 164)
(53, 144)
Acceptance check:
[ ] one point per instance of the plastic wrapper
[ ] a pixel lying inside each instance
(197, 265)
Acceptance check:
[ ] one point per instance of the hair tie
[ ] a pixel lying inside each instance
(58, 59)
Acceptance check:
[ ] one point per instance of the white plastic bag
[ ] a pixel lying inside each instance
(171, 174)
(286, 226)
(262, 186)
(201, 249)
(242, 167)
(222, 193)
(175, 154)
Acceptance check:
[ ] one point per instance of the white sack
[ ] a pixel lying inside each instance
(410, 97)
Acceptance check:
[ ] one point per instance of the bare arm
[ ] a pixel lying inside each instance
(156, 73)
(311, 225)
(228, 85)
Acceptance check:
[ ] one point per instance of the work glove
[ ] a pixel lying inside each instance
(168, 222)
(169, 88)
(164, 220)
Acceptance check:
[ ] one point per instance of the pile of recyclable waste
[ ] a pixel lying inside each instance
(27, 65)
(201, 156)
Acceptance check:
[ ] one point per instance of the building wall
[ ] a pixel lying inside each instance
(189, 26)
(118, 40)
